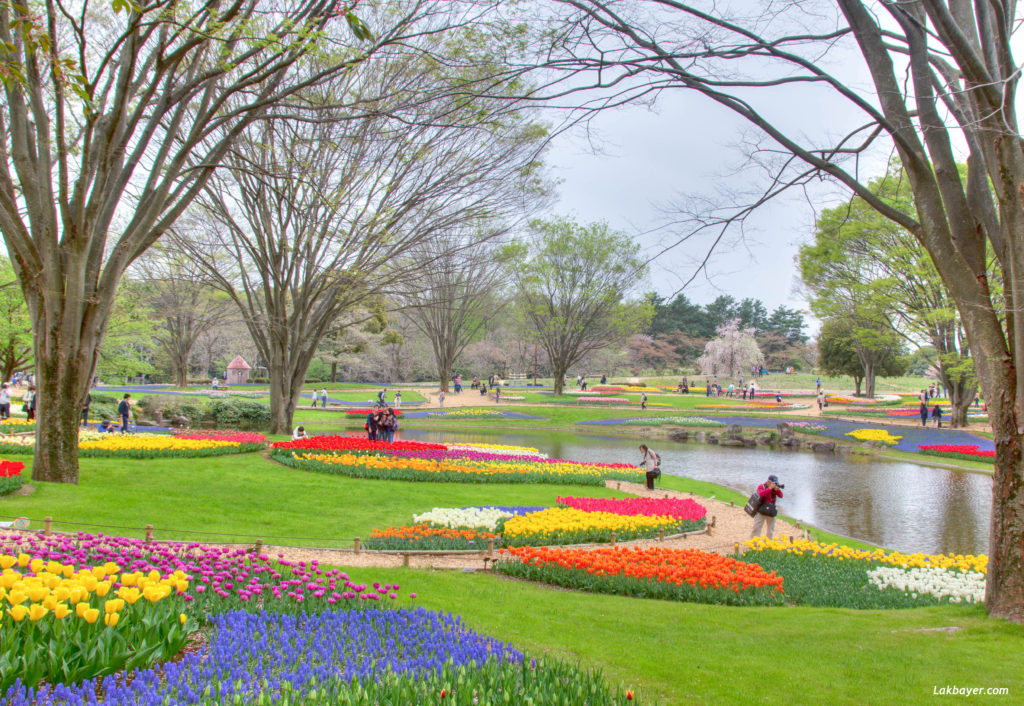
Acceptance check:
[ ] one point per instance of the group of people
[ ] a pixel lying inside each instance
(936, 413)
(320, 396)
(713, 389)
(28, 402)
(381, 424)
(381, 399)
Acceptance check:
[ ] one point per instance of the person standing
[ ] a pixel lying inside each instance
(497, 393)
(651, 463)
(124, 410)
(707, 387)
(371, 426)
(924, 414)
(821, 400)
(440, 399)
(769, 492)
(604, 379)
(323, 398)
(5, 401)
(85, 409)
(583, 386)
(817, 384)
(380, 397)
(315, 398)
(937, 416)
(458, 384)
(30, 403)
(643, 400)
(752, 390)
(398, 400)
(214, 383)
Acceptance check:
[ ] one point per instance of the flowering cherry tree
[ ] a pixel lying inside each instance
(733, 351)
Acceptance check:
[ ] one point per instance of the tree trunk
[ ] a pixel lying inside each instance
(558, 369)
(1004, 588)
(334, 372)
(179, 370)
(960, 398)
(869, 381)
(857, 380)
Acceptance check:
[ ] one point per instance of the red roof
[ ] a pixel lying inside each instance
(238, 364)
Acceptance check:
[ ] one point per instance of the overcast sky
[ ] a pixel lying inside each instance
(685, 147)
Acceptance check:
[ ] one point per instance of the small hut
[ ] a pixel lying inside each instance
(238, 371)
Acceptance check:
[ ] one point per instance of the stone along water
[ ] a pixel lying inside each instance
(900, 506)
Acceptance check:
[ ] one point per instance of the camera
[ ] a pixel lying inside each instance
(780, 486)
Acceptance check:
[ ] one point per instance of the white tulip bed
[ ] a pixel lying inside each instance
(958, 586)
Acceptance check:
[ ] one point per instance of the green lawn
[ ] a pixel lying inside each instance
(238, 498)
(684, 653)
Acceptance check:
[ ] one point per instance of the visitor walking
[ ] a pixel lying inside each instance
(85, 409)
(821, 400)
(497, 393)
(124, 410)
(458, 384)
(937, 416)
(924, 414)
(5, 401)
(440, 399)
(651, 463)
(323, 398)
(643, 400)
(707, 387)
(380, 397)
(817, 384)
(769, 492)
(752, 390)
(583, 385)
(29, 403)
(315, 398)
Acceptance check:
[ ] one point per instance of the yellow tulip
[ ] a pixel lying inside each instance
(129, 595)
(99, 572)
(16, 597)
(50, 602)
(182, 618)
(23, 559)
(129, 579)
(80, 609)
(54, 567)
(18, 612)
(37, 593)
(36, 612)
(7, 561)
(102, 588)
(91, 615)
(61, 611)
(111, 619)
(114, 605)
(36, 565)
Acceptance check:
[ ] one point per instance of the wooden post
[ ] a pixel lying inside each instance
(732, 504)
(258, 549)
(661, 535)
(790, 538)
(149, 534)
(47, 526)
(405, 559)
(712, 520)
(613, 539)
(736, 547)
(356, 545)
(490, 547)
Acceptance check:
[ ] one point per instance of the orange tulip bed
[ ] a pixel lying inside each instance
(425, 536)
(670, 574)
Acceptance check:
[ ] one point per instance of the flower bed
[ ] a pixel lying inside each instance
(754, 407)
(503, 448)
(16, 424)
(673, 574)
(406, 656)
(485, 518)
(677, 508)
(365, 412)
(508, 398)
(808, 427)
(246, 438)
(569, 525)
(673, 421)
(602, 400)
(10, 476)
(161, 446)
(874, 435)
(396, 467)
(351, 444)
(425, 536)
(864, 401)
(465, 412)
(87, 631)
(838, 576)
(966, 452)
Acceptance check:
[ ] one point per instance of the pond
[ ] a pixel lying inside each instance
(896, 505)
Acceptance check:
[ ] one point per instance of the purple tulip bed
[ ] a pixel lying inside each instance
(279, 632)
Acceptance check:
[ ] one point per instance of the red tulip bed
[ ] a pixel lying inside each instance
(10, 476)
(964, 452)
(354, 445)
(364, 412)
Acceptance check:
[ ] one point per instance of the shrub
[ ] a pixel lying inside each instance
(240, 413)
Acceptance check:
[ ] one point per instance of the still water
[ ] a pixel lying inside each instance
(896, 505)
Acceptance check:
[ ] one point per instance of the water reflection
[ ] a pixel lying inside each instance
(898, 505)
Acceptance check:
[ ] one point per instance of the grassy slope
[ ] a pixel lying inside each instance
(251, 496)
(681, 653)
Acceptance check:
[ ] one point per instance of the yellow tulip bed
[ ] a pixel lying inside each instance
(144, 445)
(569, 525)
(874, 435)
(465, 470)
(63, 624)
(840, 576)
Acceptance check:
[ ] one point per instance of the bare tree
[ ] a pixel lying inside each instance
(315, 211)
(183, 299)
(114, 115)
(452, 296)
(940, 74)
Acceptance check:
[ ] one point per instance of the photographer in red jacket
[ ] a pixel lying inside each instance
(768, 491)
